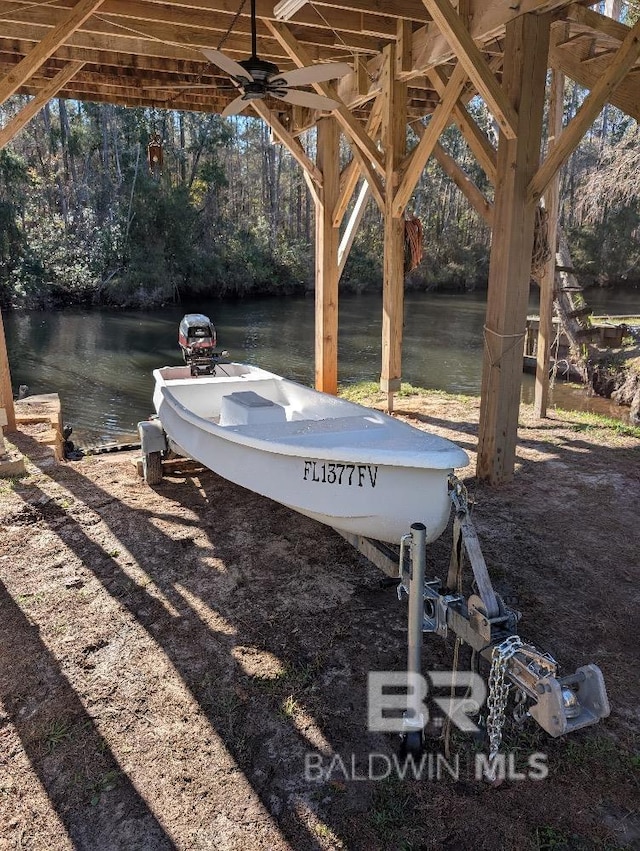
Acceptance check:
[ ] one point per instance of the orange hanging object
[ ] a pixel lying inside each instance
(154, 153)
(412, 243)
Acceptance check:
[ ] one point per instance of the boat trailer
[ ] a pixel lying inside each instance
(558, 704)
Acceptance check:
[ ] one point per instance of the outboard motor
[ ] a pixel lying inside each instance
(197, 339)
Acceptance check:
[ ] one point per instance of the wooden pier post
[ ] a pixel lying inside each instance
(547, 281)
(327, 274)
(394, 136)
(6, 392)
(525, 69)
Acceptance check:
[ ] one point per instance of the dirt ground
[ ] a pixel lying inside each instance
(168, 657)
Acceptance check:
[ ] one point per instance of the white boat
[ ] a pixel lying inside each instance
(353, 468)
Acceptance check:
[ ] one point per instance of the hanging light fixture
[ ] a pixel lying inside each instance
(154, 153)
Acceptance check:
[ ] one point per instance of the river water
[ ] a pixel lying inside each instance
(100, 361)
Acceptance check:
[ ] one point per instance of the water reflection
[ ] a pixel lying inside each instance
(100, 361)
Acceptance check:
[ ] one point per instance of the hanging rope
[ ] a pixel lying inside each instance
(412, 243)
(541, 250)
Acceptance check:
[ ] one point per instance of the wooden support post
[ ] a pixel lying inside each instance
(6, 393)
(526, 52)
(327, 236)
(394, 136)
(404, 45)
(547, 281)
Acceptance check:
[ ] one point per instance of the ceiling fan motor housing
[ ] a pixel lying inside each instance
(259, 69)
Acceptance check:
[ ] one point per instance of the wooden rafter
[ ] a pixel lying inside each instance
(587, 113)
(343, 115)
(290, 142)
(13, 127)
(464, 183)
(168, 22)
(474, 63)
(477, 140)
(12, 81)
(351, 173)
(595, 21)
(423, 150)
(626, 95)
(352, 225)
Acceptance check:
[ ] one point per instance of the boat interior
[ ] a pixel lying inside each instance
(240, 395)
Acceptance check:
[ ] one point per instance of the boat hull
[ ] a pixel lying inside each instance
(354, 492)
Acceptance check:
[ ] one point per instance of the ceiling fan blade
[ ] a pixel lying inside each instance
(315, 73)
(235, 107)
(225, 63)
(309, 99)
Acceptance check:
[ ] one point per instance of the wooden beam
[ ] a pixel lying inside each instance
(547, 281)
(600, 23)
(474, 63)
(423, 150)
(481, 147)
(351, 173)
(525, 70)
(353, 224)
(290, 142)
(349, 124)
(404, 47)
(326, 333)
(72, 21)
(29, 110)
(464, 183)
(624, 96)
(6, 392)
(589, 110)
(394, 138)
(168, 22)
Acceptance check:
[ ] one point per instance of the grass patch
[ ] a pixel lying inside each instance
(106, 783)
(9, 483)
(391, 809)
(601, 756)
(367, 391)
(59, 731)
(585, 421)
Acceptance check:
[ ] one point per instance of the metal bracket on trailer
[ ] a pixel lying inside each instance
(558, 704)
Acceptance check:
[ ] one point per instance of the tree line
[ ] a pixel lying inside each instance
(88, 217)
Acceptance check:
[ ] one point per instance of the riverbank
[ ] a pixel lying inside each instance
(170, 656)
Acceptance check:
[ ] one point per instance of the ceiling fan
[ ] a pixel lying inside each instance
(256, 78)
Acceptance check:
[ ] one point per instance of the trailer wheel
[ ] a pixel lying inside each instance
(412, 743)
(152, 468)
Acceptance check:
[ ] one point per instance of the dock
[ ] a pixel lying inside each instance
(604, 331)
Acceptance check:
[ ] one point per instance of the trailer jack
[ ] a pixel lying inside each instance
(558, 704)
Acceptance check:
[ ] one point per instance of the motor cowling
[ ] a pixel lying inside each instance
(197, 340)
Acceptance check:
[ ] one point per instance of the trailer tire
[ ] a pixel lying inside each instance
(152, 468)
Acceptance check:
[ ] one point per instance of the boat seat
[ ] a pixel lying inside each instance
(245, 407)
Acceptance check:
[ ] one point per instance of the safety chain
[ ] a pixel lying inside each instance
(497, 698)
(458, 494)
